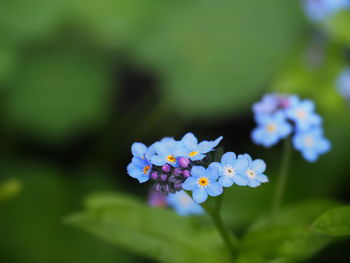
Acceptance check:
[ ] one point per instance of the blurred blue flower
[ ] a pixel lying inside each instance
(193, 150)
(311, 143)
(232, 169)
(183, 204)
(271, 128)
(140, 166)
(203, 183)
(343, 83)
(255, 171)
(320, 10)
(302, 112)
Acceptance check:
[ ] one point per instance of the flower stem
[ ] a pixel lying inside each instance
(229, 238)
(282, 178)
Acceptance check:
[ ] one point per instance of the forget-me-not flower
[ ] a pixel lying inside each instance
(302, 112)
(203, 182)
(196, 151)
(232, 169)
(343, 83)
(255, 171)
(270, 129)
(320, 10)
(311, 143)
(140, 166)
(166, 151)
(183, 204)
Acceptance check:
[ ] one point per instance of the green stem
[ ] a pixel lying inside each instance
(282, 178)
(229, 239)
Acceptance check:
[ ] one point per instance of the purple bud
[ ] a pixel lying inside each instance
(163, 177)
(157, 187)
(166, 188)
(186, 173)
(166, 168)
(172, 179)
(184, 162)
(177, 171)
(178, 186)
(154, 176)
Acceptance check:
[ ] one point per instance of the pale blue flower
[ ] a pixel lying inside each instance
(203, 182)
(140, 166)
(271, 128)
(320, 10)
(183, 204)
(343, 83)
(232, 169)
(255, 171)
(311, 143)
(166, 152)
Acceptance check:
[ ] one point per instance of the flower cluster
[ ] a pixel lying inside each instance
(174, 166)
(319, 10)
(343, 84)
(278, 116)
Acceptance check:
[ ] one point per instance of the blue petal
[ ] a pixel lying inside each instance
(214, 189)
(162, 149)
(158, 160)
(190, 184)
(225, 181)
(242, 163)
(198, 157)
(253, 183)
(190, 141)
(138, 149)
(228, 157)
(262, 178)
(197, 171)
(199, 195)
(259, 166)
(143, 178)
(212, 173)
(240, 180)
(138, 162)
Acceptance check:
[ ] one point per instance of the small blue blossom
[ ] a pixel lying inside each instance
(302, 112)
(269, 104)
(232, 169)
(311, 143)
(183, 204)
(140, 166)
(196, 151)
(270, 129)
(166, 152)
(203, 183)
(320, 10)
(255, 171)
(343, 83)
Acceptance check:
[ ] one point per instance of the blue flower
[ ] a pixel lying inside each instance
(140, 166)
(183, 204)
(255, 171)
(343, 83)
(271, 128)
(319, 10)
(196, 151)
(267, 105)
(232, 169)
(311, 143)
(303, 113)
(203, 183)
(166, 151)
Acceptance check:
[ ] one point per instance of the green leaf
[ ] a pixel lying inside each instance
(59, 91)
(216, 56)
(9, 189)
(335, 222)
(152, 232)
(338, 27)
(287, 238)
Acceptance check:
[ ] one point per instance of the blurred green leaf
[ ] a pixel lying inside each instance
(287, 238)
(216, 56)
(338, 27)
(335, 222)
(59, 91)
(155, 233)
(9, 189)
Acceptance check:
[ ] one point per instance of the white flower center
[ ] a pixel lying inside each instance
(185, 200)
(309, 141)
(229, 171)
(251, 173)
(301, 114)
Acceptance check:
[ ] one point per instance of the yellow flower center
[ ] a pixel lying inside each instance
(171, 158)
(309, 141)
(203, 181)
(251, 173)
(229, 171)
(271, 127)
(146, 169)
(191, 154)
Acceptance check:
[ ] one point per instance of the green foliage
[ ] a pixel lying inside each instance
(216, 56)
(152, 232)
(338, 27)
(59, 91)
(9, 189)
(335, 222)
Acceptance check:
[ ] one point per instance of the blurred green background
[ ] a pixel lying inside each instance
(80, 81)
